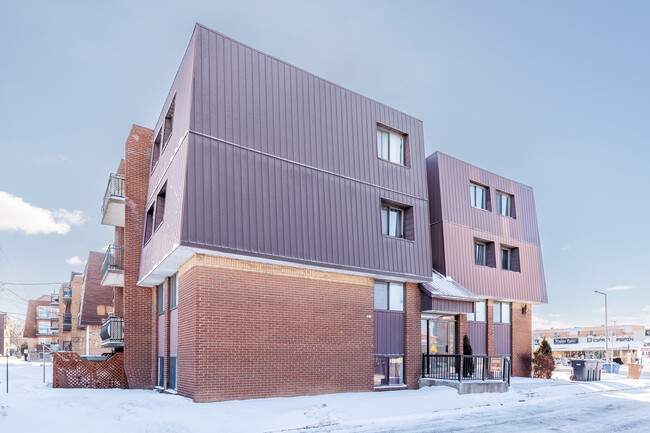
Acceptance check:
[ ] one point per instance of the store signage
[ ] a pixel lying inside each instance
(495, 365)
(573, 340)
(595, 339)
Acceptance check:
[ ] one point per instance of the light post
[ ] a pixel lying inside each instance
(611, 359)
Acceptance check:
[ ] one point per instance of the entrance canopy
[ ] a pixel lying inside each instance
(444, 295)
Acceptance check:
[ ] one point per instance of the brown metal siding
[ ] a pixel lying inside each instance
(283, 164)
(477, 333)
(454, 234)
(389, 333)
(502, 338)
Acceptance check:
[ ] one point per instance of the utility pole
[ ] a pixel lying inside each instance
(606, 329)
(613, 338)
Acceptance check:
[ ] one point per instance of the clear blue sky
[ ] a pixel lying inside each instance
(553, 94)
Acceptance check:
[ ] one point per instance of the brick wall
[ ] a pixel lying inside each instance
(412, 349)
(461, 331)
(138, 302)
(489, 317)
(252, 330)
(521, 340)
(94, 340)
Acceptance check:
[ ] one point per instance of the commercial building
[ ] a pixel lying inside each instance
(624, 341)
(274, 232)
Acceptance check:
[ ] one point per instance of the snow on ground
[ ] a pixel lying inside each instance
(613, 404)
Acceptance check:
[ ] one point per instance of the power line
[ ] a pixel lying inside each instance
(34, 284)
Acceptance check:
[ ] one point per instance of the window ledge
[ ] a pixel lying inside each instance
(171, 391)
(480, 208)
(394, 163)
(159, 388)
(398, 238)
(389, 387)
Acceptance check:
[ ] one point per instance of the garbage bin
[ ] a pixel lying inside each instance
(609, 369)
(634, 371)
(585, 370)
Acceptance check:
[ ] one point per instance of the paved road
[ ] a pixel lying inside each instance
(608, 411)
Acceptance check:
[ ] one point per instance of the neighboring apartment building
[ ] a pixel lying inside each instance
(41, 327)
(5, 334)
(624, 341)
(273, 238)
(484, 235)
(95, 305)
(71, 337)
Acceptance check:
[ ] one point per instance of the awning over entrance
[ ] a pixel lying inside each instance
(444, 295)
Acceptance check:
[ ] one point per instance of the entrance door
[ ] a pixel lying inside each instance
(438, 335)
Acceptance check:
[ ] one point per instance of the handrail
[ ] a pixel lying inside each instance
(115, 188)
(466, 367)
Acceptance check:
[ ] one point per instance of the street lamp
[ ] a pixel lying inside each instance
(611, 358)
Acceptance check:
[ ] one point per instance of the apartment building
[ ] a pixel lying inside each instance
(484, 236)
(5, 336)
(71, 337)
(273, 237)
(95, 305)
(41, 327)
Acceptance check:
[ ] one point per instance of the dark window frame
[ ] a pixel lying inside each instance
(173, 292)
(156, 150)
(387, 371)
(388, 295)
(172, 380)
(160, 299)
(161, 372)
(405, 157)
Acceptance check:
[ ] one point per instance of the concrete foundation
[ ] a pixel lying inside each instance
(477, 387)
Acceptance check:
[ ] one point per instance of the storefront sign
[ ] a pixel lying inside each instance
(495, 365)
(573, 340)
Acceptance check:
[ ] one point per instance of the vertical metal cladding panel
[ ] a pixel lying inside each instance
(451, 306)
(173, 332)
(161, 335)
(171, 167)
(462, 224)
(389, 333)
(284, 165)
(477, 333)
(502, 339)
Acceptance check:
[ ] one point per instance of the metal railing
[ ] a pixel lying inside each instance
(115, 188)
(54, 299)
(112, 332)
(466, 367)
(67, 294)
(113, 259)
(67, 322)
(47, 331)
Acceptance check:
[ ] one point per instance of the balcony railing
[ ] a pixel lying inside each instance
(54, 299)
(113, 267)
(67, 322)
(113, 204)
(44, 316)
(67, 294)
(40, 332)
(112, 332)
(466, 367)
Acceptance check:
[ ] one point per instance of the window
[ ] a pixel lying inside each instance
(392, 221)
(173, 291)
(161, 372)
(44, 328)
(389, 296)
(479, 196)
(504, 204)
(44, 312)
(502, 312)
(171, 384)
(160, 206)
(169, 121)
(390, 146)
(389, 370)
(155, 150)
(480, 254)
(505, 259)
(148, 224)
(479, 313)
(161, 299)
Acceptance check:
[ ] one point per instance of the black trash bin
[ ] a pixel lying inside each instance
(585, 370)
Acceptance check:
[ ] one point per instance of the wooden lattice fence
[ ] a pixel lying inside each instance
(70, 370)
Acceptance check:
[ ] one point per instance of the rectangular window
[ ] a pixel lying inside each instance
(160, 206)
(44, 312)
(479, 312)
(172, 373)
(161, 299)
(389, 296)
(148, 224)
(392, 221)
(478, 196)
(155, 150)
(502, 312)
(389, 370)
(390, 146)
(480, 254)
(161, 372)
(173, 291)
(505, 258)
(504, 204)
(169, 121)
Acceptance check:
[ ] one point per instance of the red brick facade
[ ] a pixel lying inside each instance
(412, 349)
(138, 302)
(251, 330)
(522, 329)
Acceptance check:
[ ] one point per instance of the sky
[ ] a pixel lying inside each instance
(553, 94)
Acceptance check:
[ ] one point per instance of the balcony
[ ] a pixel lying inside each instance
(113, 205)
(67, 294)
(46, 332)
(112, 333)
(113, 268)
(54, 299)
